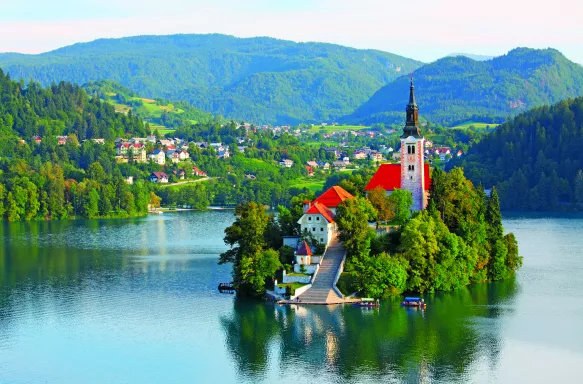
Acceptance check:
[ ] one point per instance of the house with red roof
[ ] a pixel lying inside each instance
(318, 219)
(412, 174)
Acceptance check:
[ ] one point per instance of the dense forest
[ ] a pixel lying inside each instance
(458, 89)
(535, 160)
(46, 180)
(263, 80)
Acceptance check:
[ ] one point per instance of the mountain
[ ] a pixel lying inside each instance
(535, 160)
(472, 56)
(159, 114)
(263, 80)
(458, 89)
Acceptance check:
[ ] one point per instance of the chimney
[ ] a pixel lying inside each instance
(307, 205)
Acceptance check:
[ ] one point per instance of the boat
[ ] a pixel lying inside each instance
(368, 302)
(414, 302)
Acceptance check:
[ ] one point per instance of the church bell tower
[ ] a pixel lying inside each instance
(412, 158)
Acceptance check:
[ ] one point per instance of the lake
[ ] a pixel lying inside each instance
(135, 301)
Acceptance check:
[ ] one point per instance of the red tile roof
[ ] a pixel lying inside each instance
(304, 249)
(388, 177)
(322, 210)
(333, 197)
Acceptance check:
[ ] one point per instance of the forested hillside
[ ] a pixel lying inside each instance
(80, 178)
(262, 80)
(458, 89)
(158, 114)
(535, 160)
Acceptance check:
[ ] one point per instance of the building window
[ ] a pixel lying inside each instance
(321, 229)
(411, 168)
(309, 218)
(317, 218)
(321, 239)
(313, 229)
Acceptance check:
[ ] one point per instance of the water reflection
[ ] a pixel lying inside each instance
(390, 343)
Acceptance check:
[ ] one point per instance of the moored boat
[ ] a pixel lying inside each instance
(368, 302)
(414, 302)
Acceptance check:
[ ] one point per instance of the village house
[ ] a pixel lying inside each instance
(173, 156)
(62, 140)
(412, 174)
(312, 164)
(158, 157)
(99, 141)
(158, 177)
(324, 165)
(318, 217)
(197, 172)
(287, 163)
(223, 154)
(359, 154)
(376, 156)
(135, 151)
(36, 139)
(310, 170)
(179, 174)
(182, 154)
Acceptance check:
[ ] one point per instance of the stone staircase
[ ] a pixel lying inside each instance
(322, 291)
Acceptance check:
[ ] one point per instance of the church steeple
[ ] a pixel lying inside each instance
(412, 125)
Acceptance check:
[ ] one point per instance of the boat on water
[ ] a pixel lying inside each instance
(368, 302)
(414, 302)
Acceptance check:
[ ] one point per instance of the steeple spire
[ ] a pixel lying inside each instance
(412, 125)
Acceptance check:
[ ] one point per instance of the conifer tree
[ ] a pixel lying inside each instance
(494, 217)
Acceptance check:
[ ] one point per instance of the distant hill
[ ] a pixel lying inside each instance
(472, 56)
(458, 89)
(159, 114)
(263, 80)
(535, 160)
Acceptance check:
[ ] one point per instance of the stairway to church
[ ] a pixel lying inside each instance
(322, 291)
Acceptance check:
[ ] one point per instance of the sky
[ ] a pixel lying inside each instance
(421, 29)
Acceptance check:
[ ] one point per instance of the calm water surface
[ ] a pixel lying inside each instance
(135, 301)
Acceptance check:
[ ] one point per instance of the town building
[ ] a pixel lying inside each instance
(158, 177)
(287, 163)
(318, 219)
(412, 174)
(158, 157)
(197, 172)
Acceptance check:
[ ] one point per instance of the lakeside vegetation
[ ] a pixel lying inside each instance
(80, 178)
(534, 160)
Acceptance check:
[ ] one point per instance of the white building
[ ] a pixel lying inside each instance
(158, 157)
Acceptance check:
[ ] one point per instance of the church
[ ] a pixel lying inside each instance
(413, 173)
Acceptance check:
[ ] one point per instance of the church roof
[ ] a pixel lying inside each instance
(388, 177)
(319, 208)
(412, 124)
(304, 249)
(333, 197)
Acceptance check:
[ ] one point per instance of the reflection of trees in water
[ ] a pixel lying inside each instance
(439, 344)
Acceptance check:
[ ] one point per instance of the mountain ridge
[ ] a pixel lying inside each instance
(457, 89)
(260, 79)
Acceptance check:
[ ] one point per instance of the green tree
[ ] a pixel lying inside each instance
(352, 218)
(91, 205)
(380, 276)
(401, 201)
(383, 205)
(255, 269)
(494, 217)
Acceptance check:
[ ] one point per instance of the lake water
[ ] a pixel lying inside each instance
(135, 301)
